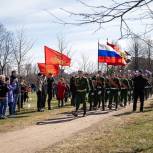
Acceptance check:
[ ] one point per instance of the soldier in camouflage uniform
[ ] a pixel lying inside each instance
(91, 96)
(124, 90)
(82, 87)
(107, 88)
(98, 92)
(102, 79)
(114, 90)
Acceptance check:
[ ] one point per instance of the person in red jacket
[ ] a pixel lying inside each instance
(61, 87)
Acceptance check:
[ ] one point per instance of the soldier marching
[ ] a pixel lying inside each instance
(104, 91)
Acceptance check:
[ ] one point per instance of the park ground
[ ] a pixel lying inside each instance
(112, 132)
(125, 132)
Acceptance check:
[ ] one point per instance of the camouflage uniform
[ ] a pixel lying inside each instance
(82, 87)
(107, 89)
(124, 90)
(130, 90)
(114, 97)
(91, 96)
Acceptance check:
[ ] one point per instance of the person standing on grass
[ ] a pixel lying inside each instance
(3, 97)
(23, 88)
(10, 96)
(44, 92)
(16, 92)
(67, 92)
(82, 88)
(139, 83)
(50, 81)
(61, 87)
(39, 92)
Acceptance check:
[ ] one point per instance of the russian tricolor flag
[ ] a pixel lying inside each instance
(107, 54)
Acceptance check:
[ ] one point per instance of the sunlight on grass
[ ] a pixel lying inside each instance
(122, 133)
(29, 115)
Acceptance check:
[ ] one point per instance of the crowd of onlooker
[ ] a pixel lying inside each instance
(48, 87)
(13, 94)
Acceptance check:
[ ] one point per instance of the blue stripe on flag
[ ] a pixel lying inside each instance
(107, 53)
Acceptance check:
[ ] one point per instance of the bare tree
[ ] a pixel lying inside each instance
(87, 65)
(138, 52)
(122, 12)
(28, 68)
(149, 50)
(6, 48)
(64, 49)
(21, 48)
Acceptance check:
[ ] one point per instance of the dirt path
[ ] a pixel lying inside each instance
(45, 133)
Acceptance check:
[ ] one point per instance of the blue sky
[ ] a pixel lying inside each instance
(40, 27)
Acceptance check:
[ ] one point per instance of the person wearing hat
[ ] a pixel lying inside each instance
(82, 87)
(139, 83)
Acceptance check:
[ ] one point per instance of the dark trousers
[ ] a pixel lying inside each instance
(73, 98)
(44, 96)
(10, 108)
(60, 103)
(107, 93)
(80, 98)
(49, 99)
(22, 99)
(113, 97)
(124, 94)
(39, 100)
(91, 100)
(138, 94)
(103, 99)
(130, 95)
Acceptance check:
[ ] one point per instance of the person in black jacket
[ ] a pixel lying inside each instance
(3, 94)
(50, 82)
(73, 90)
(139, 83)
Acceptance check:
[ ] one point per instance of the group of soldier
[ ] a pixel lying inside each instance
(101, 91)
(109, 91)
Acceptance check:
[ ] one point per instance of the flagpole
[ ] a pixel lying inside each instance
(45, 57)
(98, 52)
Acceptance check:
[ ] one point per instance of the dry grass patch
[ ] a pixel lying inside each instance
(30, 116)
(123, 133)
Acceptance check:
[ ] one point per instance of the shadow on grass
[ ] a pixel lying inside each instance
(69, 117)
(26, 112)
(56, 120)
(23, 116)
(146, 109)
(93, 112)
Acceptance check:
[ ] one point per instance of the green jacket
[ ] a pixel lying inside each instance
(82, 85)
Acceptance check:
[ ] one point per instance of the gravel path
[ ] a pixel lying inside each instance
(48, 132)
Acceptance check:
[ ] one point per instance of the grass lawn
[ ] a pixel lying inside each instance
(29, 115)
(123, 133)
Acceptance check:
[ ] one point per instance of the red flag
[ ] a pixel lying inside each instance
(54, 57)
(46, 69)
